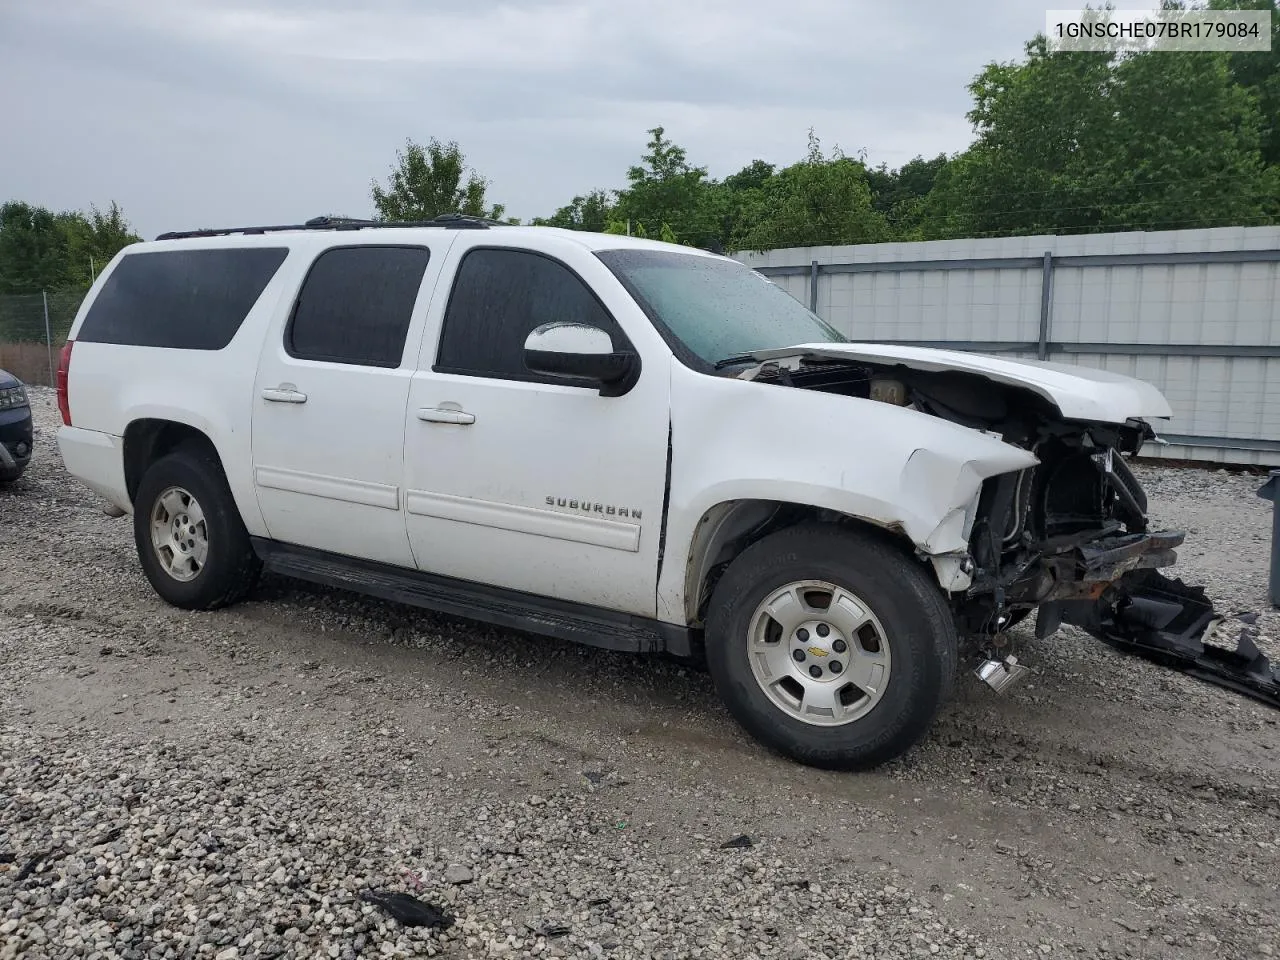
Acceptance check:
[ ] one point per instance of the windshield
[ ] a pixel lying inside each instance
(718, 309)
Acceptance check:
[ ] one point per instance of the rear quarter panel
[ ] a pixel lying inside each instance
(112, 385)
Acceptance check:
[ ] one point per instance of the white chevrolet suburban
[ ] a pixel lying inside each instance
(619, 442)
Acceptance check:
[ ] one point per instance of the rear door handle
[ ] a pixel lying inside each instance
(285, 393)
(445, 415)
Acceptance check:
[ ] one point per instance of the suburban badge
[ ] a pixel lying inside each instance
(590, 506)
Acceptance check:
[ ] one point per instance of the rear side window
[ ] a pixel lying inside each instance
(356, 304)
(181, 299)
(498, 298)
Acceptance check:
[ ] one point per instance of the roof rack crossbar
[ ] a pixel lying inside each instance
(451, 221)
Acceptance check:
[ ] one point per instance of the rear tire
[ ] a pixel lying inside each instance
(845, 686)
(192, 544)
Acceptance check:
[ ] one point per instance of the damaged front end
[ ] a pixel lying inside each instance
(1067, 538)
(1070, 539)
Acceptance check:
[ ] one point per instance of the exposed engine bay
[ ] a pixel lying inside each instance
(1069, 538)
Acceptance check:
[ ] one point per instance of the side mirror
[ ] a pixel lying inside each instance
(581, 352)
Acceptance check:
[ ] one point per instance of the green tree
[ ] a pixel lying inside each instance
(1259, 73)
(1040, 127)
(1078, 142)
(427, 182)
(93, 240)
(665, 190)
(754, 176)
(591, 212)
(46, 252)
(820, 200)
(33, 249)
(739, 200)
(900, 194)
(1183, 148)
(43, 250)
(913, 179)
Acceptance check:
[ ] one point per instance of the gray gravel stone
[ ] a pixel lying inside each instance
(457, 873)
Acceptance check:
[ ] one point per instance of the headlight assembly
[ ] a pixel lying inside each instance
(13, 397)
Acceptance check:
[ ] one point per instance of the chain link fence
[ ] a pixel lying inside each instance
(33, 328)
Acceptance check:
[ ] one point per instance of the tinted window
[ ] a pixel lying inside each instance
(183, 299)
(355, 305)
(499, 297)
(716, 308)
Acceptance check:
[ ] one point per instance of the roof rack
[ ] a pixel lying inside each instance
(449, 221)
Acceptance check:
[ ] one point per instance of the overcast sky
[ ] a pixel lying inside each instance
(194, 113)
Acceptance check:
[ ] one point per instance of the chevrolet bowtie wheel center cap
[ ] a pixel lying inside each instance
(819, 650)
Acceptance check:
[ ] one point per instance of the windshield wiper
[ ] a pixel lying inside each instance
(731, 361)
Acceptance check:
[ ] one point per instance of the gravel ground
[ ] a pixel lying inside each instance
(226, 785)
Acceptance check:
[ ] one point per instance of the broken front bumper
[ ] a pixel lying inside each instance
(1140, 611)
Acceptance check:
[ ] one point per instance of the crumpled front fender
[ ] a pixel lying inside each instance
(947, 487)
(890, 466)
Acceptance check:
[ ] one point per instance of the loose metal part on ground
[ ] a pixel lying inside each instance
(999, 675)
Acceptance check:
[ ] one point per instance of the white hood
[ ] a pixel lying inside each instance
(1079, 393)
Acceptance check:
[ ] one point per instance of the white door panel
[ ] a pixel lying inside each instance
(530, 495)
(328, 435)
(535, 486)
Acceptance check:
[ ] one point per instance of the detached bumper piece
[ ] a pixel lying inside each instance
(1109, 559)
(1169, 623)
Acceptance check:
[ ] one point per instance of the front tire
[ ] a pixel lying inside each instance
(192, 544)
(830, 646)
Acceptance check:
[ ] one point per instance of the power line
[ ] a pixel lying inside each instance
(1069, 186)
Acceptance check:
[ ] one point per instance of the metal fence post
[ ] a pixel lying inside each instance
(48, 336)
(813, 286)
(1046, 303)
(1271, 491)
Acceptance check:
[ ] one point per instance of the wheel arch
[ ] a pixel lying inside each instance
(166, 455)
(147, 439)
(730, 526)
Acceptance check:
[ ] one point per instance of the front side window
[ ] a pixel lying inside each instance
(498, 298)
(356, 304)
(716, 309)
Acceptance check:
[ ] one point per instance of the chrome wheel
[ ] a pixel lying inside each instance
(179, 534)
(819, 653)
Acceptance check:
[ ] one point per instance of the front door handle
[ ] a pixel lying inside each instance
(285, 393)
(445, 415)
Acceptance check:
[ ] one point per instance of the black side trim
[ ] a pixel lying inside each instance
(666, 506)
(578, 623)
